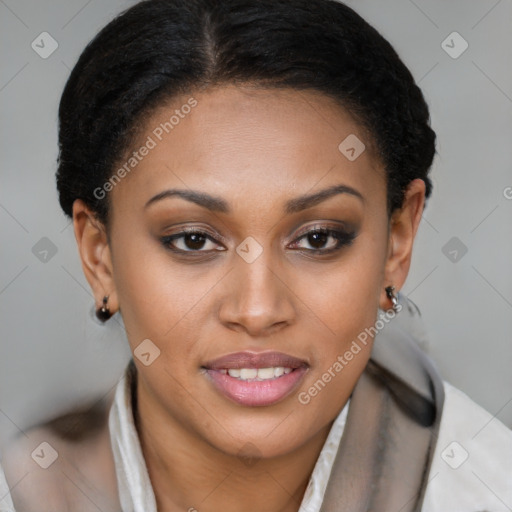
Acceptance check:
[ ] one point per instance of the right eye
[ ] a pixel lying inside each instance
(191, 240)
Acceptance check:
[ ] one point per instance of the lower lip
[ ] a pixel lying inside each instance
(257, 393)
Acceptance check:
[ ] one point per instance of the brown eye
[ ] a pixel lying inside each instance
(318, 239)
(324, 240)
(190, 241)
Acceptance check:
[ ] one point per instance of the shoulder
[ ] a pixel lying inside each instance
(67, 460)
(472, 465)
(31, 464)
(6, 504)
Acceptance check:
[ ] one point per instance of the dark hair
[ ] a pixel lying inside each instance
(159, 49)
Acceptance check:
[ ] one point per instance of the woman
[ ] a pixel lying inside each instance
(246, 179)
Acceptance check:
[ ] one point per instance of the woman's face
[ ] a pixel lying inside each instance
(249, 289)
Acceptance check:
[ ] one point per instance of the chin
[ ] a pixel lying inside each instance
(266, 434)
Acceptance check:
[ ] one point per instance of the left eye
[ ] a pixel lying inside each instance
(318, 238)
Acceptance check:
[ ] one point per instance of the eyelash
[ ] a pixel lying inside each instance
(343, 238)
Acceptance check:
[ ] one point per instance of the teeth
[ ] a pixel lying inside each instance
(257, 373)
(248, 373)
(265, 373)
(279, 371)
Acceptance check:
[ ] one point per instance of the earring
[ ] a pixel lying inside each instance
(104, 313)
(390, 292)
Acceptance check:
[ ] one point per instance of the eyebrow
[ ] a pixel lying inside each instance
(217, 204)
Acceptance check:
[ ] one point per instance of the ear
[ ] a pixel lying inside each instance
(403, 226)
(94, 250)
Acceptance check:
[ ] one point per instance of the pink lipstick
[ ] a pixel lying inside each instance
(256, 379)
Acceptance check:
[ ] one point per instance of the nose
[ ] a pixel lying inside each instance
(258, 300)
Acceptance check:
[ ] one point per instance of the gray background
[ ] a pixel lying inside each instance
(53, 354)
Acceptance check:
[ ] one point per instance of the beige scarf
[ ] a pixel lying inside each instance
(386, 451)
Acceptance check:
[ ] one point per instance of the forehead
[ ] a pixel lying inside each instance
(247, 144)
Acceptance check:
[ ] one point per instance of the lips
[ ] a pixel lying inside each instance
(255, 360)
(237, 378)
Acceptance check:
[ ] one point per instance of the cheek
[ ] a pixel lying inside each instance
(344, 301)
(153, 294)
(343, 296)
(159, 301)
(162, 301)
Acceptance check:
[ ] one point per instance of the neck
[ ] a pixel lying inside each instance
(187, 473)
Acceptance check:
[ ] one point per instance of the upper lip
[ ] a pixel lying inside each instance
(255, 360)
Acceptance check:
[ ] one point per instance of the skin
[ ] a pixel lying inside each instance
(256, 149)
